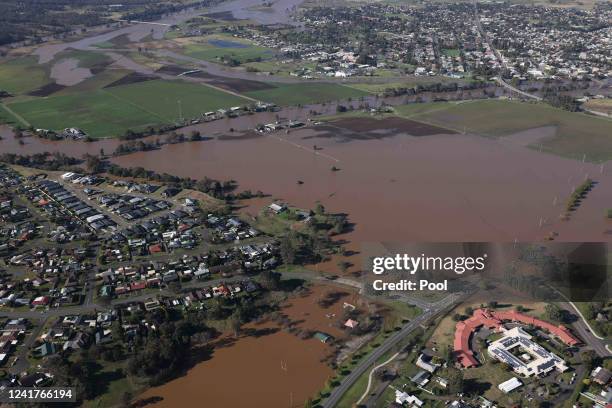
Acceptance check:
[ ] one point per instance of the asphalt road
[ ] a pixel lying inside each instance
(598, 345)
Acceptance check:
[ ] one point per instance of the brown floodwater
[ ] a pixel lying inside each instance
(265, 367)
(67, 72)
(398, 188)
(404, 188)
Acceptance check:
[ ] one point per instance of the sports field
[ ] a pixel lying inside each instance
(111, 111)
(576, 134)
(306, 93)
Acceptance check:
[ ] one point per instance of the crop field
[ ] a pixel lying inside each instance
(307, 93)
(22, 75)
(111, 111)
(576, 135)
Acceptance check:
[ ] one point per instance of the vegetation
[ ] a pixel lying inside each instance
(576, 135)
(578, 194)
(113, 111)
(302, 93)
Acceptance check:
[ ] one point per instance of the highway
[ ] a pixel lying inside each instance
(387, 345)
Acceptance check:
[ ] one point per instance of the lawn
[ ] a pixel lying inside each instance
(22, 75)
(306, 93)
(576, 134)
(111, 111)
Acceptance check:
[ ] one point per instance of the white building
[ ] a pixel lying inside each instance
(525, 356)
(510, 385)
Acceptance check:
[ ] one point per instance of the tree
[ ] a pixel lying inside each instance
(126, 398)
(455, 380)
(319, 209)
(287, 250)
(554, 312)
(235, 323)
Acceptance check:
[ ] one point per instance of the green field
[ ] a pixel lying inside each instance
(243, 51)
(305, 93)
(97, 113)
(110, 112)
(162, 98)
(22, 75)
(576, 134)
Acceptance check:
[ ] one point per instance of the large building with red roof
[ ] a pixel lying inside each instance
(494, 320)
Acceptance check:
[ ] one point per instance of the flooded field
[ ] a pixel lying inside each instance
(282, 371)
(449, 187)
(442, 187)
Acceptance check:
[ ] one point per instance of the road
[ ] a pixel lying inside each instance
(389, 343)
(499, 57)
(598, 345)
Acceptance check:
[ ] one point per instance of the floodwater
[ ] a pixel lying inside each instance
(266, 366)
(404, 188)
(279, 13)
(67, 72)
(398, 188)
(276, 369)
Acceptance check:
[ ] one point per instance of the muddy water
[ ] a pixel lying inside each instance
(273, 370)
(241, 9)
(67, 72)
(447, 187)
(450, 187)
(265, 367)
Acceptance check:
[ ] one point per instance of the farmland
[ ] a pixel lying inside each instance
(306, 93)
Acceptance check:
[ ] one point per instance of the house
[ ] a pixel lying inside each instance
(46, 349)
(421, 378)
(601, 376)
(277, 208)
(425, 362)
(351, 324)
(403, 398)
(322, 337)
(41, 301)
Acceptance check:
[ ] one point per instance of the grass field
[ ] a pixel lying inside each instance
(110, 112)
(97, 113)
(600, 105)
(307, 93)
(161, 98)
(22, 75)
(576, 135)
(213, 48)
